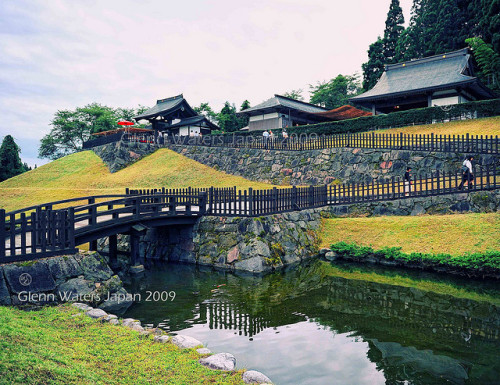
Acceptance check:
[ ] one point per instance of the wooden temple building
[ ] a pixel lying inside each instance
(281, 112)
(174, 116)
(438, 80)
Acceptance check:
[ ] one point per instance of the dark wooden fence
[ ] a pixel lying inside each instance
(40, 231)
(443, 143)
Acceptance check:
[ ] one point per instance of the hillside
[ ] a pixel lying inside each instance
(84, 173)
(485, 126)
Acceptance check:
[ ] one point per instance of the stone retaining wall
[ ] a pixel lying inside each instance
(81, 277)
(346, 165)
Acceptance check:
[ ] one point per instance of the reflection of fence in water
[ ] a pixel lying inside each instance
(224, 315)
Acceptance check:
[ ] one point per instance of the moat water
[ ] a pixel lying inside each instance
(333, 324)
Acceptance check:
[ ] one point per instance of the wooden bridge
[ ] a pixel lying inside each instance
(56, 228)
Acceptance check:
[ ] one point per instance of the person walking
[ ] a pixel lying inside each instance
(285, 138)
(265, 136)
(467, 173)
(408, 181)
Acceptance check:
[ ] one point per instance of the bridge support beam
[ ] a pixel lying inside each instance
(93, 245)
(113, 250)
(134, 249)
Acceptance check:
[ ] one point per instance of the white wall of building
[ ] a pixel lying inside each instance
(256, 118)
(446, 101)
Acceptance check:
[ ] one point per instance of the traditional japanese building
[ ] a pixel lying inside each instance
(176, 117)
(280, 112)
(432, 81)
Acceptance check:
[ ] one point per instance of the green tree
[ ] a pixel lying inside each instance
(374, 67)
(487, 60)
(227, 119)
(336, 92)
(245, 105)
(10, 161)
(394, 27)
(70, 128)
(294, 94)
(207, 111)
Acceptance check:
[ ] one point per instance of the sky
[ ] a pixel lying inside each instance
(63, 54)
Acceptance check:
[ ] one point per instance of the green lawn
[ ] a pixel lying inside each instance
(51, 346)
(485, 126)
(454, 234)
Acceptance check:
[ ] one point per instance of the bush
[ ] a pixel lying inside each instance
(477, 264)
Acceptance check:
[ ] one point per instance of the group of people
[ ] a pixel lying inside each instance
(268, 136)
(467, 176)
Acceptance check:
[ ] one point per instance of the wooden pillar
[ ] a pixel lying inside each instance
(374, 110)
(113, 250)
(134, 249)
(93, 245)
(429, 100)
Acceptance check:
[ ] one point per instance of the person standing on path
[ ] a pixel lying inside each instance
(265, 136)
(467, 173)
(408, 182)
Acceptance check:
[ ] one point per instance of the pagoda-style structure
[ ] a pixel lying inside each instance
(438, 80)
(176, 117)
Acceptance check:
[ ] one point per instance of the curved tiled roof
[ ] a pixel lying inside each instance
(424, 74)
(283, 101)
(164, 106)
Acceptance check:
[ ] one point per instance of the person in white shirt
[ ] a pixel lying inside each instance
(467, 173)
(265, 135)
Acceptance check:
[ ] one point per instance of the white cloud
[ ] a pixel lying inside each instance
(62, 54)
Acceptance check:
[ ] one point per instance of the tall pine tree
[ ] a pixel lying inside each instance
(394, 27)
(10, 162)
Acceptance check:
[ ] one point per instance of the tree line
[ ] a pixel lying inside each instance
(436, 27)
(10, 161)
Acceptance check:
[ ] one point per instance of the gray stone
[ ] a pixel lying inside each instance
(82, 306)
(255, 377)
(32, 277)
(63, 268)
(254, 265)
(76, 289)
(417, 210)
(118, 302)
(4, 291)
(220, 361)
(96, 313)
(161, 339)
(185, 342)
(95, 267)
(331, 256)
(203, 351)
(130, 321)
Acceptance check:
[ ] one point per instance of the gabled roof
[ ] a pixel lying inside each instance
(343, 113)
(167, 106)
(283, 101)
(195, 120)
(428, 74)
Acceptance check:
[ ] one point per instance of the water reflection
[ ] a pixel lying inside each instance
(347, 327)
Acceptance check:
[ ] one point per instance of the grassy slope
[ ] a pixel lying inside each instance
(485, 126)
(52, 347)
(84, 174)
(453, 234)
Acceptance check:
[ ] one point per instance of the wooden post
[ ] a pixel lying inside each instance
(33, 234)
(275, 200)
(12, 221)
(23, 233)
(134, 249)
(2, 233)
(71, 227)
(250, 201)
(203, 202)
(113, 250)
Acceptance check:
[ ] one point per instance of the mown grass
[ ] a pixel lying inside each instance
(84, 173)
(484, 126)
(51, 346)
(453, 234)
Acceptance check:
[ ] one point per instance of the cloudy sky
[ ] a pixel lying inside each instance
(61, 54)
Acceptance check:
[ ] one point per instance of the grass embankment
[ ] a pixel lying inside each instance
(51, 346)
(485, 126)
(454, 234)
(84, 173)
